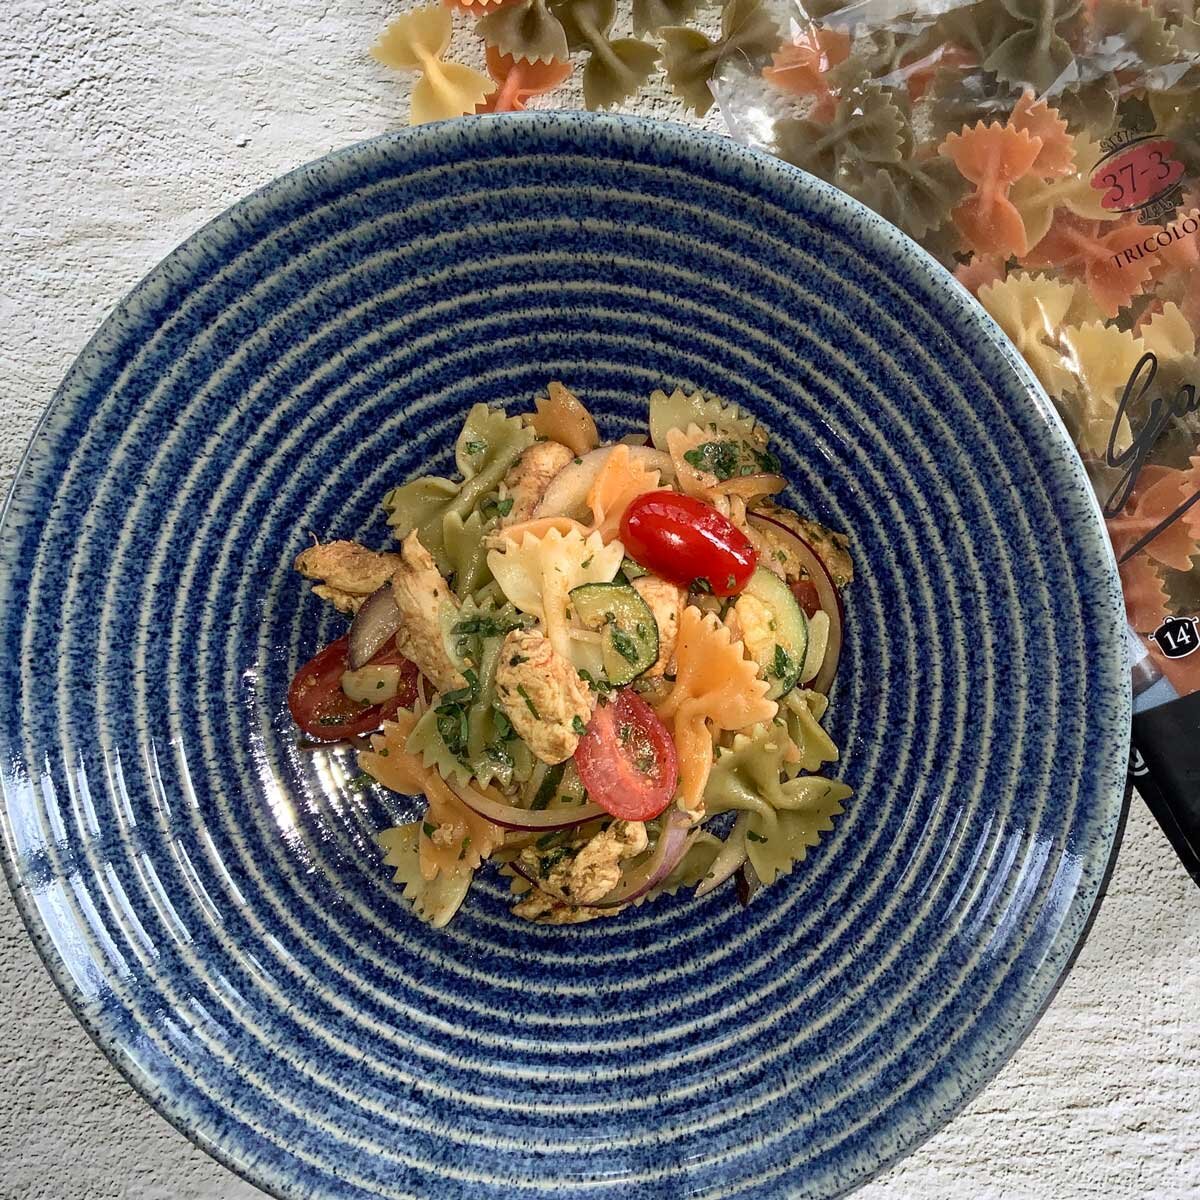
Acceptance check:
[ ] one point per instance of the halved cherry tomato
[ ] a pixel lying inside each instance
(806, 595)
(685, 540)
(627, 759)
(320, 707)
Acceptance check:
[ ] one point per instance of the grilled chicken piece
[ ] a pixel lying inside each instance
(346, 572)
(666, 602)
(542, 694)
(528, 477)
(421, 594)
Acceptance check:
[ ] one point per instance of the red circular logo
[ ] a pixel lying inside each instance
(1137, 175)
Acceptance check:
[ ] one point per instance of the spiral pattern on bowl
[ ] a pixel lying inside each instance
(210, 897)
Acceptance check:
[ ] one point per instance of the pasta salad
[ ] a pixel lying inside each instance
(604, 666)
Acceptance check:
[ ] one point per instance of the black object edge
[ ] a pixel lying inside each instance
(1165, 769)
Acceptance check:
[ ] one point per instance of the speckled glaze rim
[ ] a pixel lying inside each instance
(1068, 462)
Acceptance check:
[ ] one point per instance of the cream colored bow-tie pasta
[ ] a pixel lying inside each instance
(603, 666)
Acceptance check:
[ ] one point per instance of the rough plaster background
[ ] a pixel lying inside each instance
(124, 126)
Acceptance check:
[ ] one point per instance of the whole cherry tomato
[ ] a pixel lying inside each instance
(686, 541)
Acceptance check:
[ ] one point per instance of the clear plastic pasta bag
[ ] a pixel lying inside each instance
(1048, 153)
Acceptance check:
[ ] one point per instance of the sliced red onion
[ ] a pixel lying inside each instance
(672, 846)
(518, 869)
(748, 883)
(377, 620)
(827, 597)
(525, 819)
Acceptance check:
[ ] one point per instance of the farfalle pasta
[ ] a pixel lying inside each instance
(518, 80)
(992, 158)
(650, 16)
(1032, 310)
(718, 688)
(1101, 358)
(616, 68)
(538, 574)
(526, 30)
(416, 42)
(621, 480)
(690, 58)
(615, 697)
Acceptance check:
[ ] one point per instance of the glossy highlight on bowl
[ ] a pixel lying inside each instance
(209, 897)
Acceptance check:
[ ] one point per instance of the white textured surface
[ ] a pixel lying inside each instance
(124, 126)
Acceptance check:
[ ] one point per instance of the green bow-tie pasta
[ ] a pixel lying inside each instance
(691, 59)
(526, 30)
(615, 70)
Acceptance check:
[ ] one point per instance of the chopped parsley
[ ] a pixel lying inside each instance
(781, 555)
(379, 685)
(466, 845)
(623, 644)
(597, 685)
(726, 459)
(578, 725)
(577, 460)
(551, 860)
(486, 625)
(529, 704)
(730, 582)
(587, 562)
(360, 782)
(475, 447)
(632, 739)
(701, 584)
(717, 458)
(783, 664)
(452, 728)
(755, 837)
(495, 507)
(462, 695)
(452, 714)
(428, 830)
(767, 461)
(504, 729)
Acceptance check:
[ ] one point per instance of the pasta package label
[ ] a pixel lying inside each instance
(1140, 175)
(1047, 152)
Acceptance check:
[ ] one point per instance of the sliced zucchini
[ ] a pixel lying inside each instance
(774, 630)
(628, 630)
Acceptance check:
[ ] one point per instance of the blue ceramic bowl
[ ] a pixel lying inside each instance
(210, 899)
